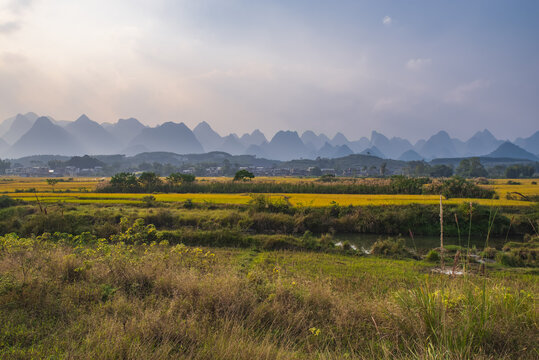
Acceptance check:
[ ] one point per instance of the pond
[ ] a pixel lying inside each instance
(421, 243)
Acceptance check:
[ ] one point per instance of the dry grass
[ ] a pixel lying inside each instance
(158, 302)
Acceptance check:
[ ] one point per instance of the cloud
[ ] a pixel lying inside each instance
(387, 20)
(9, 27)
(418, 64)
(17, 6)
(462, 93)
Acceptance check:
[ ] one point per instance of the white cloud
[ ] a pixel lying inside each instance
(418, 64)
(462, 93)
(387, 20)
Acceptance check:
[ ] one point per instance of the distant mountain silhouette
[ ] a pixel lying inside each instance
(258, 151)
(359, 145)
(329, 151)
(232, 145)
(135, 149)
(481, 143)
(19, 126)
(254, 138)
(393, 147)
(439, 145)
(125, 130)
(530, 144)
(210, 140)
(512, 151)
(6, 124)
(373, 151)
(171, 137)
(3, 146)
(313, 141)
(93, 137)
(45, 138)
(410, 155)
(130, 136)
(339, 139)
(286, 145)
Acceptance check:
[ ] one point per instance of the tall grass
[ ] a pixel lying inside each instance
(160, 301)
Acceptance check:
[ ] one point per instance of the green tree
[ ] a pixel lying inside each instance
(441, 171)
(518, 171)
(4, 165)
(471, 167)
(174, 179)
(243, 175)
(52, 182)
(383, 169)
(149, 180)
(124, 182)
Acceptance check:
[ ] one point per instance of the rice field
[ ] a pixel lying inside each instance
(81, 190)
(315, 200)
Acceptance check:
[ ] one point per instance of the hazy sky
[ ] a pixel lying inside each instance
(405, 68)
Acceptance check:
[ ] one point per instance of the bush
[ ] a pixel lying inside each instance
(390, 247)
(433, 256)
(6, 201)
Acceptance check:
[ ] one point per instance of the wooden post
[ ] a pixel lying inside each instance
(442, 234)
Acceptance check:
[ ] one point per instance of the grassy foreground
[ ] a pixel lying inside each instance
(157, 301)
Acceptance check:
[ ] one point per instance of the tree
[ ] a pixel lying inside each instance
(383, 169)
(149, 180)
(471, 167)
(4, 165)
(55, 164)
(518, 171)
(188, 178)
(124, 182)
(52, 182)
(243, 175)
(176, 178)
(441, 171)
(315, 171)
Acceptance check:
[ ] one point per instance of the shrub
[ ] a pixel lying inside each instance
(390, 247)
(433, 256)
(6, 201)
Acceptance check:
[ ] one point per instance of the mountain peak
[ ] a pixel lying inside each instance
(512, 151)
(43, 121)
(203, 126)
(83, 118)
(130, 120)
(441, 134)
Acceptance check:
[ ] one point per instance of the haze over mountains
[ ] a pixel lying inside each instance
(29, 134)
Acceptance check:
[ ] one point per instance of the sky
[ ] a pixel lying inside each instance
(403, 68)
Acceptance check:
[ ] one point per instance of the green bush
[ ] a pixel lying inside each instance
(390, 247)
(433, 256)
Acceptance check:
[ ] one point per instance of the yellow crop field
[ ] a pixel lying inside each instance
(14, 184)
(525, 187)
(295, 199)
(81, 190)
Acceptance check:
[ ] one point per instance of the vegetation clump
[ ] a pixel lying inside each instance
(520, 254)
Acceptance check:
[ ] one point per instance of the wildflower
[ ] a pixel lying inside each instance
(314, 331)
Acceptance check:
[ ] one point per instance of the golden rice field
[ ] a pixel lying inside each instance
(295, 199)
(81, 191)
(12, 184)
